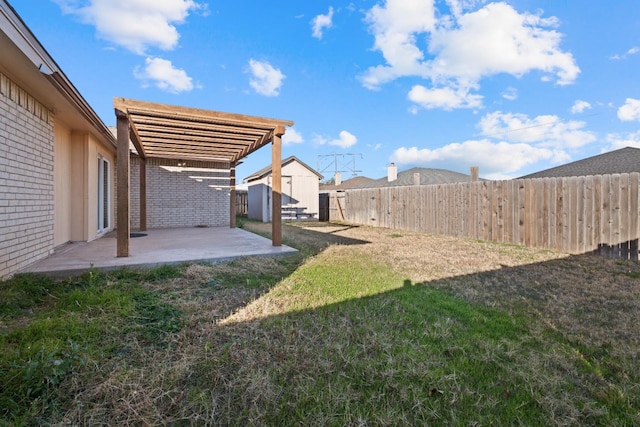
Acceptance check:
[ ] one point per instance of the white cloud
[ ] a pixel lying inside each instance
(543, 131)
(291, 136)
(509, 142)
(464, 48)
(494, 159)
(633, 51)
(630, 111)
(345, 140)
(617, 140)
(164, 75)
(395, 26)
(446, 98)
(580, 106)
(320, 23)
(134, 24)
(510, 94)
(266, 80)
(497, 39)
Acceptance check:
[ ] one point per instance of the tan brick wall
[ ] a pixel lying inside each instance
(26, 179)
(197, 194)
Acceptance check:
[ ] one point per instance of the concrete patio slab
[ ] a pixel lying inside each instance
(157, 247)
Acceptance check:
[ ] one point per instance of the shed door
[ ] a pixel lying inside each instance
(287, 199)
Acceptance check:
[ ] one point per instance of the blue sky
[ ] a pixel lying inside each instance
(512, 87)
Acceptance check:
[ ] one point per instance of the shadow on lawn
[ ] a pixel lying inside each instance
(554, 342)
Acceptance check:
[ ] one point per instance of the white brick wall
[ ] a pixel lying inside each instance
(176, 197)
(26, 179)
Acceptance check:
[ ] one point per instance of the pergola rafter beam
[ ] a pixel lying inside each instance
(193, 139)
(197, 126)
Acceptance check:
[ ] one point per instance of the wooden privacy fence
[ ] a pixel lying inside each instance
(242, 203)
(574, 215)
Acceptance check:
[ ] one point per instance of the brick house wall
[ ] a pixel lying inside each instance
(26, 178)
(190, 196)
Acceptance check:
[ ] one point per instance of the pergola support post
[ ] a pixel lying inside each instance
(232, 195)
(123, 168)
(276, 187)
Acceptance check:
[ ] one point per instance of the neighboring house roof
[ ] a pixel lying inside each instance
(624, 160)
(29, 65)
(266, 171)
(355, 182)
(427, 176)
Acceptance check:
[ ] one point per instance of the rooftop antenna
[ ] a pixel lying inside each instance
(339, 163)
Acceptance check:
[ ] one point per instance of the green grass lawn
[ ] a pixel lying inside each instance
(335, 335)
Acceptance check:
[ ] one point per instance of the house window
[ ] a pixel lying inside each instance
(104, 218)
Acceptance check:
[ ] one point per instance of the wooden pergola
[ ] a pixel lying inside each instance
(171, 132)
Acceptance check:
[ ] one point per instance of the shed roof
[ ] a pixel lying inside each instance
(624, 160)
(173, 132)
(267, 170)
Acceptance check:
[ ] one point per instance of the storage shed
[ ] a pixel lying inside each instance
(300, 188)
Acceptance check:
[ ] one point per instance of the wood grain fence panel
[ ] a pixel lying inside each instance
(406, 208)
(475, 189)
(415, 199)
(546, 212)
(411, 215)
(480, 200)
(486, 205)
(538, 200)
(572, 215)
(515, 212)
(459, 210)
(419, 202)
(451, 209)
(624, 217)
(352, 200)
(597, 212)
(575, 214)
(351, 209)
(379, 211)
(479, 210)
(560, 202)
(365, 201)
(399, 207)
(634, 184)
(552, 219)
(580, 221)
(410, 203)
(507, 213)
(429, 214)
(493, 206)
(589, 214)
(465, 203)
(615, 214)
(605, 235)
(528, 211)
(522, 211)
(499, 211)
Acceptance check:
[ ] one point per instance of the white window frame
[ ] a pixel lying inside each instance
(104, 194)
